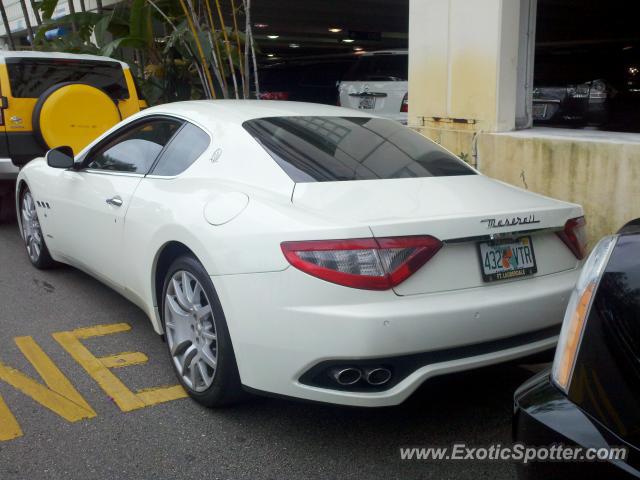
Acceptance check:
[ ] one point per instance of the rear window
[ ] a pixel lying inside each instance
(329, 149)
(30, 77)
(381, 67)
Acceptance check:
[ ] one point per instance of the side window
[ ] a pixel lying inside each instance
(183, 150)
(135, 150)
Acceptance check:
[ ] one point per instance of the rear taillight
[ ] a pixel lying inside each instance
(574, 236)
(274, 96)
(369, 263)
(405, 103)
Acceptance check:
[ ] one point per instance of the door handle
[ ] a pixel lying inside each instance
(115, 201)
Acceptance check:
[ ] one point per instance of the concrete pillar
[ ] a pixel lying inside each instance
(463, 66)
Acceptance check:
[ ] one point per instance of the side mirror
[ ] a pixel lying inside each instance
(60, 157)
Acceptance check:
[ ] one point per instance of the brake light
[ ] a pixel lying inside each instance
(369, 263)
(274, 95)
(574, 236)
(404, 108)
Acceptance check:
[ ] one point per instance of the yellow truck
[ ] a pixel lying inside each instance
(49, 99)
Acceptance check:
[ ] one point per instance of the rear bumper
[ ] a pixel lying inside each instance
(572, 111)
(283, 324)
(8, 171)
(543, 415)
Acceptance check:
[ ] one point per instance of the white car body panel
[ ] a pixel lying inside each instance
(100, 248)
(280, 337)
(451, 208)
(283, 321)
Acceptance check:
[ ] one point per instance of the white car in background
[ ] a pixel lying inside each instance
(305, 250)
(377, 83)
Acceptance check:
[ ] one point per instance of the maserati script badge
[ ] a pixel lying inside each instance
(509, 221)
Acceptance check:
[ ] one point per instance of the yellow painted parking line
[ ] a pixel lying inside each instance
(59, 395)
(100, 330)
(124, 359)
(118, 391)
(52, 376)
(99, 368)
(151, 396)
(9, 426)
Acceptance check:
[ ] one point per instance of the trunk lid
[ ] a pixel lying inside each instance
(378, 97)
(460, 211)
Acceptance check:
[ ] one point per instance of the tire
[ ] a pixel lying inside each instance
(191, 317)
(35, 244)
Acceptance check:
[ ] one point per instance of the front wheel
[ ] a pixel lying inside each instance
(32, 233)
(197, 335)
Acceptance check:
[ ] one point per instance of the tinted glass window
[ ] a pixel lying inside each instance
(325, 149)
(135, 150)
(381, 67)
(30, 77)
(183, 150)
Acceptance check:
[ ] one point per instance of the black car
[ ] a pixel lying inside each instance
(572, 86)
(584, 103)
(591, 395)
(311, 79)
(588, 86)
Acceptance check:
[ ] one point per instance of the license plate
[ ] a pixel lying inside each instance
(539, 111)
(367, 103)
(504, 259)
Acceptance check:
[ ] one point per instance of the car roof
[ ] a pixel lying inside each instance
(207, 112)
(56, 55)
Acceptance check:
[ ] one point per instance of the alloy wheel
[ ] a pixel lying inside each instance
(31, 230)
(191, 331)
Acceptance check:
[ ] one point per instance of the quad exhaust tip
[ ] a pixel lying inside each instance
(374, 376)
(377, 376)
(347, 376)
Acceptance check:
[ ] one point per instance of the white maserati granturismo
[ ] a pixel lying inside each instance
(305, 250)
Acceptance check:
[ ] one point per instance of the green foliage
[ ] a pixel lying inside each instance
(160, 46)
(47, 8)
(101, 30)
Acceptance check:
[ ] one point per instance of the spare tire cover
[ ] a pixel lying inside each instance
(73, 114)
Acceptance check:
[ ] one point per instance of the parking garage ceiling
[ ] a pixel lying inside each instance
(576, 22)
(291, 28)
(302, 27)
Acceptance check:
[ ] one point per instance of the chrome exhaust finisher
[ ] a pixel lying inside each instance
(377, 376)
(346, 376)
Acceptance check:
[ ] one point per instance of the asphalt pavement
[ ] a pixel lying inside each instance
(262, 438)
